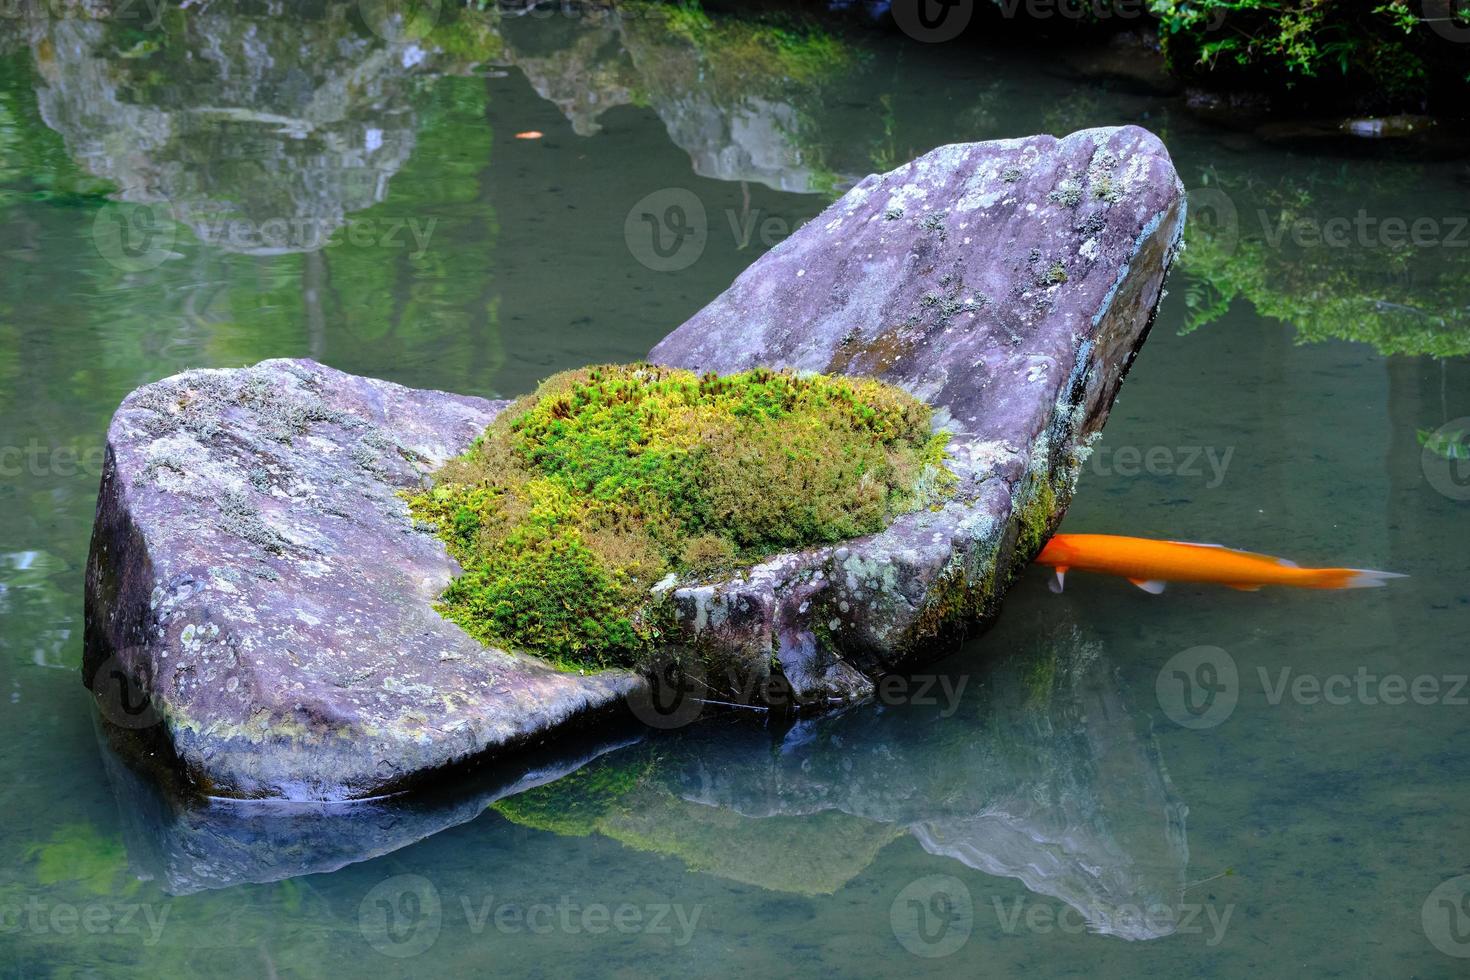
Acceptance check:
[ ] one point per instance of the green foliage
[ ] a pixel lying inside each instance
(1382, 46)
(1323, 300)
(1402, 300)
(583, 496)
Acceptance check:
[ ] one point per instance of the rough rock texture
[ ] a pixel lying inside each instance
(1009, 285)
(255, 571)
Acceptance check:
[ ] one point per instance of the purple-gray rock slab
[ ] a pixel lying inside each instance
(1008, 284)
(260, 604)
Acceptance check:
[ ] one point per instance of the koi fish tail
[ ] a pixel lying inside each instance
(1349, 578)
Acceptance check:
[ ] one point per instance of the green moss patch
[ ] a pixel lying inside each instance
(583, 496)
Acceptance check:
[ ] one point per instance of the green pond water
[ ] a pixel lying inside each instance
(1107, 783)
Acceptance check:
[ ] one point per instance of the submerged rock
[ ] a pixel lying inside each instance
(188, 846)
(256, 575)
(1008, 284)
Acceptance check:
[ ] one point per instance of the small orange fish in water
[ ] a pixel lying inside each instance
(1148, 564)
(530, 134)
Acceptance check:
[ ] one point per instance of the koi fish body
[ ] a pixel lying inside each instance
(1149, 564)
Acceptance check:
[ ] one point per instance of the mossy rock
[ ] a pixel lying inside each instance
(255, 562)
(584, 502)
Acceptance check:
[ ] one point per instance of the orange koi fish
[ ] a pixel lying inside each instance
(1148, 564)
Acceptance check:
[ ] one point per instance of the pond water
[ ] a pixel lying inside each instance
(1107, 783)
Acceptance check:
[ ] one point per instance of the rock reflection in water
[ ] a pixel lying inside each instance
(1040, 773)
(190, 845)
(744, 100)
(1030, 767)
(264, 129)
(261, 133)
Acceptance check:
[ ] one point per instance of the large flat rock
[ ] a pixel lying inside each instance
(1008, 284)
(255, 572)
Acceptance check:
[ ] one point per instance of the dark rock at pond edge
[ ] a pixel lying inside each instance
(255, 574)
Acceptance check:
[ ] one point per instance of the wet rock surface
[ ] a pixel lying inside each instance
(255, 573)
(1008, 284)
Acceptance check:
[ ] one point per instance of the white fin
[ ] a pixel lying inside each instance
(1201, 544)
(1367, 578)
(1151, 586)
(1056, 583)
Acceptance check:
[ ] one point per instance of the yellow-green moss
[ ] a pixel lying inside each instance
(1036, 518)
(583, 496)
